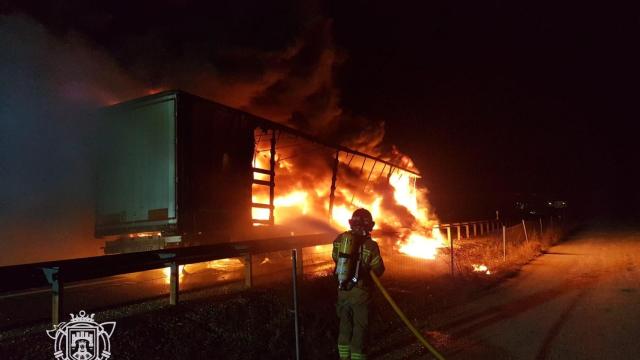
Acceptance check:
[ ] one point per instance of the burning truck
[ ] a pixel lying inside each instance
(179, 170)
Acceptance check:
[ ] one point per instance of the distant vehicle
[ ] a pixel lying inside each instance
(557, 204)
(535, 207)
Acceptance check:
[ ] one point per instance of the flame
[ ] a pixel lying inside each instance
(420, 246)
(406, 194)
(303, 181)
(225, 264)
(222, 264)
(481, 268)
(342, 213)
(145, 234)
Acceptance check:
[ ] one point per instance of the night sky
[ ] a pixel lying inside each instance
(492, 100)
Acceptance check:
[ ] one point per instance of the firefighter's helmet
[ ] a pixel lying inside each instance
(361, 222)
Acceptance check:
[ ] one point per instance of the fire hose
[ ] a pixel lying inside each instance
(403, 317)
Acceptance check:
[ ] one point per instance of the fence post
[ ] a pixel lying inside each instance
(466, 226)
(481, 228)
(174, 283)
(294, 277)
(524, 227)
(504, 243)
(300, 261)
(57, 291)
(459, 230)
(541, 229)
(248, 271)
(475, 229)
(451, 246)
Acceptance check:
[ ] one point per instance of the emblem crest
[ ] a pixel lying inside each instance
(82, 338)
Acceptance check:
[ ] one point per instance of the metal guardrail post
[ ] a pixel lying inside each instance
(248, 271)
(451, 248)
(57, 291)
(475, 230)
(459, 231)
(449, 233)
(541, 229)
(174, 283)
(466, 226)
(504, 243)
(294, 277)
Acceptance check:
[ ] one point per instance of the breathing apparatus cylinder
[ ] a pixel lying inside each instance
(346, 266)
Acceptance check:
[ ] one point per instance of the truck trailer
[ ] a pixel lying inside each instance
(175, 169)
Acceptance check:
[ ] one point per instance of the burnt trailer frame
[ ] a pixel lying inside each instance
(213, 144)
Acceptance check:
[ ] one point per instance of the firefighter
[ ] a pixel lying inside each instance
(355, 253)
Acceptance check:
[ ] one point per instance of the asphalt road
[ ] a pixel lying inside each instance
(581, 300)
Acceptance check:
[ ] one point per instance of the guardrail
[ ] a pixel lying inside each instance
(56, 274)
(485, 226)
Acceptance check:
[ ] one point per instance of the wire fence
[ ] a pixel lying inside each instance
(495, 248)
(505, 246)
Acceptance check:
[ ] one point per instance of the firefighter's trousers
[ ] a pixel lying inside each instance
(353, 311)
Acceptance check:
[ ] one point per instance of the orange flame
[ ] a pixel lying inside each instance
(421, 246)
(167, 273)
(303, 190)
(481, 268)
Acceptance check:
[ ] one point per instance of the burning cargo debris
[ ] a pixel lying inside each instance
(481, 268)
(177, 169)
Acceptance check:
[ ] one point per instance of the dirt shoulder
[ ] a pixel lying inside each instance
(578, 301)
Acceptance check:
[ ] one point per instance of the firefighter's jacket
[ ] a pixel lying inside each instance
(370, 258)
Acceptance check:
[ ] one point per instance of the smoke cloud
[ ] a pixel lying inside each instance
(49, 88)
(52, 83)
